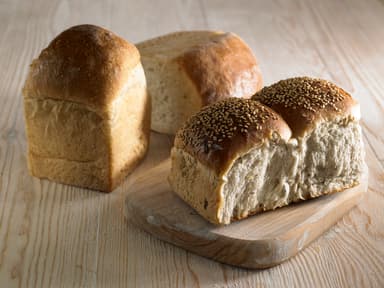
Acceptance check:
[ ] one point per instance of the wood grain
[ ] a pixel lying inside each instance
(53, 235)
(261, 241)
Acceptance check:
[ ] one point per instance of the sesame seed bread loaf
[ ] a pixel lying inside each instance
(188, 70)
(239, 157)
(87, 112)
(304, 102)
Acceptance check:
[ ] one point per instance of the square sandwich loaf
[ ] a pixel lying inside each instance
(87, 112)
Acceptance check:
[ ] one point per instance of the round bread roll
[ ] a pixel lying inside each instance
(220, 133)
(210, 143)
(304, 102)
(87, 111)
(238, 157)
(188, 70)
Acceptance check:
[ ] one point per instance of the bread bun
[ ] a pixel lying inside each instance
(87, 112)
(219, 133)
(303, 102)
(236, 158)
(188, 70)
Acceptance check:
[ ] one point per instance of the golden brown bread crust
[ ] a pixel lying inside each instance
(221, 131)
(217, 170)
(222, 67)
(304, 101)
(70, 144)
(87, 110)
(85, 64)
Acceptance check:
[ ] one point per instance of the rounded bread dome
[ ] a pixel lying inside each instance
(85, 64)
(220, 132)
(303, 102)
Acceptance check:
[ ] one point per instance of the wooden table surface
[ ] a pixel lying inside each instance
(53, 235)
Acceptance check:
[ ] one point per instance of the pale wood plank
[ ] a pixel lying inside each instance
(58, 236)
(262, 241)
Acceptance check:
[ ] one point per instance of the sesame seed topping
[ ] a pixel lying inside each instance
(302, 93)
(221, 121)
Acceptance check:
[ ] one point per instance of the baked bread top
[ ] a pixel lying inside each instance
(305, 101)
(84, 64)
(289, 108)
(219, 64)
(219, 132)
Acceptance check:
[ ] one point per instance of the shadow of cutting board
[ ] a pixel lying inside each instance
(261, 241)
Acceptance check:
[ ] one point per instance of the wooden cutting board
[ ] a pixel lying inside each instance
(260, 241)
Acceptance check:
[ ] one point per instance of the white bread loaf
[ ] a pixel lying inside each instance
(239, 157)
(188, 70)
(87, 112)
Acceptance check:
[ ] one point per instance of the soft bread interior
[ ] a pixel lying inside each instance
(332, 159)
(327, 160)
(257, 180)
(174, 97)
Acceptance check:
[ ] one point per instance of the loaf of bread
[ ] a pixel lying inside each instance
(188, 70)
(239, 157)
(87, 112)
